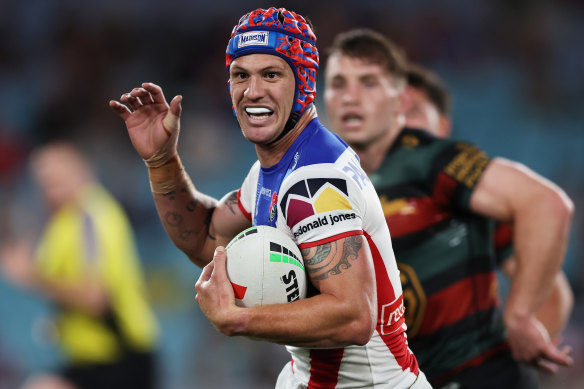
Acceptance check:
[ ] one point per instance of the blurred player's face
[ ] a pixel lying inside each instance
(262, 93)
(362, 101)
(59, 177)
(424, 115)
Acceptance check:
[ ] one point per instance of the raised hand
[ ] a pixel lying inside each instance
(153, 124)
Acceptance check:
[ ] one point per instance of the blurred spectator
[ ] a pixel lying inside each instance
(87, 265)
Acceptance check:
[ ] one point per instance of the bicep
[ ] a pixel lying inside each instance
(343, 267)
(503, 188)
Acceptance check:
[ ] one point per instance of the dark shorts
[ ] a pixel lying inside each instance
(135, 370)
(499, 372)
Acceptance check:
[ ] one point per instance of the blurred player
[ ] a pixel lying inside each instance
(350, 332)
(430, 110)
(439, 197)
(87, 265)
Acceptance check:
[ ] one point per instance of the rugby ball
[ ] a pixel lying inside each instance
(265, 267)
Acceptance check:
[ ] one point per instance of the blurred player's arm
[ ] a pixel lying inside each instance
(196, 223)
(342, 314)
(86, 293)
(541, 214)
(556, 309)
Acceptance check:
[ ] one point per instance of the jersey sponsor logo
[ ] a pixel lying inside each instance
(323, 221)
(392, 316)
(291, 282)
(266, 192)
(410, 141)
(313, 196)
(258, 38)
(414, 298)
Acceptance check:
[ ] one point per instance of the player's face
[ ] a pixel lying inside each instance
(262, 93)
(422, 114)
(59, 178)
(362, 101)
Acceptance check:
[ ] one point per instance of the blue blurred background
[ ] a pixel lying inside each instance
(515, 69)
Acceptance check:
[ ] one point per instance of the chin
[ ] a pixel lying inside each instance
(354, 139)
(259, 135)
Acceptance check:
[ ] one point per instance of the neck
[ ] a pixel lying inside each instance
(373, 154)
(270, 154)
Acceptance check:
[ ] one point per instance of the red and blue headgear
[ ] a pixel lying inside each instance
(285, 34)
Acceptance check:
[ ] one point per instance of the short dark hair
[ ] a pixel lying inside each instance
(371, 46)
(431, 84)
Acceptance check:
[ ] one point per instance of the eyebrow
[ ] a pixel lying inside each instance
(277, 67)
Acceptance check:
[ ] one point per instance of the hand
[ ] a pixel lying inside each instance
(153, 124)
(16, 263)
(531, 343)
(215, 294)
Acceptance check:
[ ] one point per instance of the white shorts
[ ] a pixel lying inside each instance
(286, 380)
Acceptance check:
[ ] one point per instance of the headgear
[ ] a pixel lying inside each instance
(285, 34)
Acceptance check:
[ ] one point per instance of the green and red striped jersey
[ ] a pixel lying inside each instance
(445, 253)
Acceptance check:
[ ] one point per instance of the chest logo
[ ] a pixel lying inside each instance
(273, 206)
(313, 196)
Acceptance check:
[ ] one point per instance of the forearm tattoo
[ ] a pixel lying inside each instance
(325, 260)
(173, 219)
(171, 194)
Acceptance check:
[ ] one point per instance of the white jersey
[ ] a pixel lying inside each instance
(318, 193)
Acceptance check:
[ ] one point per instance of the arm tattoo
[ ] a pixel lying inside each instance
(186, 235)
(173, 219)
(192, 205)
(171, 194)
(351, 247)
(321, 253)
(231, 201)
(329, 263)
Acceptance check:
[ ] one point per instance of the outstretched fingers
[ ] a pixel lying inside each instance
(155, 92)
(133, 101)
(143, 95)
(121, 109)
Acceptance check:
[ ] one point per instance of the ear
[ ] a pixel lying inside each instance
(404, 104)
(405, 100)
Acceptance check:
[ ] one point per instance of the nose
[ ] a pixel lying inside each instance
(350, 94)
(255, 89)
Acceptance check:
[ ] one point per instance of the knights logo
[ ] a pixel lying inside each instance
(273, 207)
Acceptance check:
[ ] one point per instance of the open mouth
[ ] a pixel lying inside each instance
(352, 119)
(259, 112)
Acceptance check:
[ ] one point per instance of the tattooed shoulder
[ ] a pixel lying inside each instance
(231, 201)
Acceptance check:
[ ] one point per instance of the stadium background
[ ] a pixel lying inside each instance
(514, 67)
